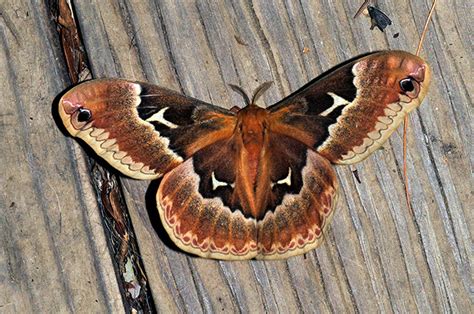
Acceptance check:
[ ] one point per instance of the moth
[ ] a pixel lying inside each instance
(252, 182)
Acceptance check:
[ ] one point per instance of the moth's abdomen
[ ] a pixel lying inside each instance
(389, 85)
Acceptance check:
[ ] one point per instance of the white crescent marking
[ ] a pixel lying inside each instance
(286, 180)
(159, 117)
(338, 101)
(216, 183)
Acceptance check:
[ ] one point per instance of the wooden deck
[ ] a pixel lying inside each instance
(59, 255)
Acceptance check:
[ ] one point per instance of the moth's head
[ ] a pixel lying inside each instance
(252, 122)
(408, 75)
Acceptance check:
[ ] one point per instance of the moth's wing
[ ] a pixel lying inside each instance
(303, 194)
(141, 129)
(197, 216)
(206, 210)
(351, 110)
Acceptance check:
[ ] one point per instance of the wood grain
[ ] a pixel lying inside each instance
(376, 257)
(54, 257)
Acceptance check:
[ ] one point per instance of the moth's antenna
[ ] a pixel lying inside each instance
(405, 123)
(256, 95)
(239, 90)
(260, 90)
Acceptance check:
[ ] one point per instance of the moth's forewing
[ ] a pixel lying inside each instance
(351, 110)
(141, 129)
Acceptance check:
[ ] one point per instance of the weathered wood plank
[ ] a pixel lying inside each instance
(54, 256)
(376, 255)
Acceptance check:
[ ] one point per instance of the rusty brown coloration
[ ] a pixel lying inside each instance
(122, 145)
(379, 107)
(252, 182)
(251, 139)
(132, 145)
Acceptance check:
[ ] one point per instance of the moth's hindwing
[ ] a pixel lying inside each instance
(210, 206)
(350, 111)
(141, 129)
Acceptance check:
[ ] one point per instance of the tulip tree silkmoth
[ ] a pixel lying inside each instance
(254, 182)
